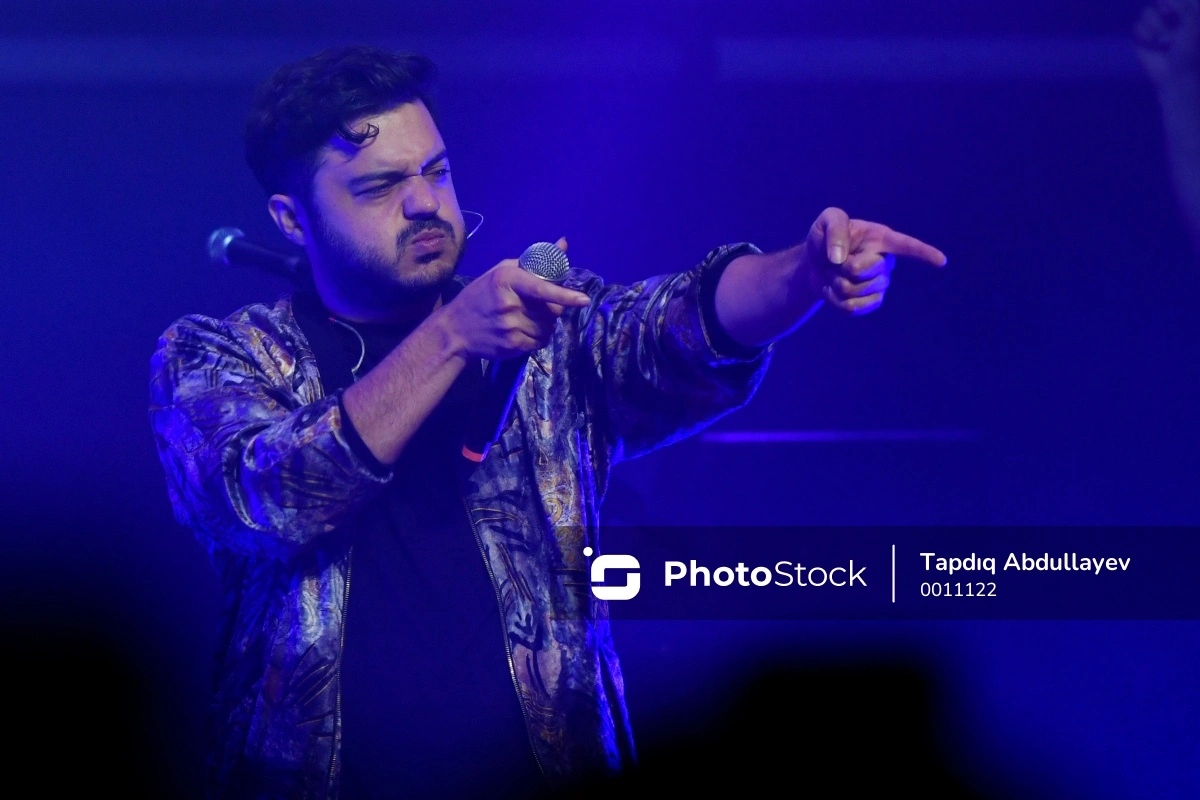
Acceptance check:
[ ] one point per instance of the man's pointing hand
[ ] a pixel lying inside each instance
(851, 259)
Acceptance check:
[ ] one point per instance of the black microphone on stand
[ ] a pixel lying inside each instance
(229, 246)
(504, 375)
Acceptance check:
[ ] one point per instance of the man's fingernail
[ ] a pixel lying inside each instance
(837, 255)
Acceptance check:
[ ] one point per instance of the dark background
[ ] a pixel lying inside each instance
(1058, 346)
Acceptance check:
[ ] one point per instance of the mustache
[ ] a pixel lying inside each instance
(423, 226)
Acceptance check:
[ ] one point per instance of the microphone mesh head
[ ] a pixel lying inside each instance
(546, 261)
(218, 244)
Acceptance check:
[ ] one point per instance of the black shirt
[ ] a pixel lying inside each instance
(429, 708)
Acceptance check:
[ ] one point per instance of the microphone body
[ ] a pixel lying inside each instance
(503, 376)
(487, 416)
(229, 246)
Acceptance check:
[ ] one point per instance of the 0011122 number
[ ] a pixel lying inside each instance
(978, 589)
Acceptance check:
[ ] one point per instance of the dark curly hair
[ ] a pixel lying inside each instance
(304, 104)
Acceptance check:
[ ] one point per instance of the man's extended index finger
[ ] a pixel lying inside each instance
(899, 244)
(531, 287)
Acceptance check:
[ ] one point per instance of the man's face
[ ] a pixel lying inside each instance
(385, 222)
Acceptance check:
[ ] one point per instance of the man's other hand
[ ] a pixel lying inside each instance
(508, 312)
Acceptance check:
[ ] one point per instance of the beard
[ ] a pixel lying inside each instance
(367, 277)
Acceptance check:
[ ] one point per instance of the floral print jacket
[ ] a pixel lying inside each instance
(259, 466)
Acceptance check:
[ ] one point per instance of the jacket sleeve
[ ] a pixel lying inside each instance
(254, 463)
(657, 369)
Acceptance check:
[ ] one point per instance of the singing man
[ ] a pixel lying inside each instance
(398, 619)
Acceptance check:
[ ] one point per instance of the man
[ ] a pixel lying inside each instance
(314, 444)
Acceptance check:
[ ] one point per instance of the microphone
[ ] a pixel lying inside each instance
(230, 247)
(504, 375)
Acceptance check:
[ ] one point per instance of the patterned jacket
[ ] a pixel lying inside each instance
(259, 466)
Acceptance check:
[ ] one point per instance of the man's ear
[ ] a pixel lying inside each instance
(289, 217)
